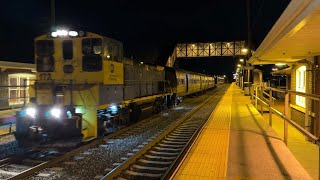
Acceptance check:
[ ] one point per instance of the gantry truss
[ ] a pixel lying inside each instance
(193, 50)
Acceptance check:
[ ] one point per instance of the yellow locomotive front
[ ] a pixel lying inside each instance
(78, 73)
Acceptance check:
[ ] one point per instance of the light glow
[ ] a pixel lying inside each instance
(280, 64)
(73, 33)
(55, 112)
(31, 111)
(54, 34)
(241, 60)
(62, 32)
(244, 50)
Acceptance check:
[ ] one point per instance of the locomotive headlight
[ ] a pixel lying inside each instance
(31, 111)
(54, 34)
(55, 112)
(73, 33)
(62, 32)
(114, 108)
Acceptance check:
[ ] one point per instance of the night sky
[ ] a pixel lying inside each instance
(148, 29)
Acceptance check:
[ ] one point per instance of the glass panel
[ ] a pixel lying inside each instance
(23, 82)
(45, 64)
(91, 46)
(13, 96)
(23, 95)
(44, 47)
(13, 81)
(67, 48)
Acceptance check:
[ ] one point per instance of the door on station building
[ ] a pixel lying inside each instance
(301, 85)
(187, 83)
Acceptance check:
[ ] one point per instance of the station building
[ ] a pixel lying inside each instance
(15, 79)
(294, 40)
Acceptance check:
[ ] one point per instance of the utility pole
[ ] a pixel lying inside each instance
(249, 28)
(249, 37)
(53, 15)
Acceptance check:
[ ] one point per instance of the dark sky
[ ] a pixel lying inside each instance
(148, 29)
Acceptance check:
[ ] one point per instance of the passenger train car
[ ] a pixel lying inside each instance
(85, 88)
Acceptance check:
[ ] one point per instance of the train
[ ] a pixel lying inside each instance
(86, 88)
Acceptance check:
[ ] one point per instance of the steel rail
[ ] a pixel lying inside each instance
(74, 152)
(124, 165)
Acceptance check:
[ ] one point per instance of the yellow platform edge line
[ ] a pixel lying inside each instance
(178, 174)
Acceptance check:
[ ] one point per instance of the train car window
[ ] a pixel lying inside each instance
(44, 47)
(67, 49)
(45, 64)
(91, 46)
(92, 63)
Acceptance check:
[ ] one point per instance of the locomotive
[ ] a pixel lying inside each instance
(85, 88)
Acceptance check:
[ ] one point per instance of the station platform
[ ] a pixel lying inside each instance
(7, 119)
(237, 143)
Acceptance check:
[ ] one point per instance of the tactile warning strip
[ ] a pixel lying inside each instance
(209, 155)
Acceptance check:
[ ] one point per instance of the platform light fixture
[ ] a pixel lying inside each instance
(239, 65)
(244, 50)
(241, 60)
(280, 64)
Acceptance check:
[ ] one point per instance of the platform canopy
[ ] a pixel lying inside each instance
(17, 65)
(295, 36)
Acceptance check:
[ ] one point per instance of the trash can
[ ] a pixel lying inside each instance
(246, 87)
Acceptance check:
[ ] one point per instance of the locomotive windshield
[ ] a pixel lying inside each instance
(44, 51)
(67, 48)
(91, 46)
(91, 50)
(44, 47)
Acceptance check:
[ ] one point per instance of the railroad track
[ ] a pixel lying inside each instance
(13, 166)
(21, 167)
(159, 157)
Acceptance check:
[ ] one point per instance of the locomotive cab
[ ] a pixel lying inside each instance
(75, 71)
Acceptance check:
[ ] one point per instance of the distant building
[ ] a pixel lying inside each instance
(14, 83)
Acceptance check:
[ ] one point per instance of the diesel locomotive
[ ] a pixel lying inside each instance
(85, 88)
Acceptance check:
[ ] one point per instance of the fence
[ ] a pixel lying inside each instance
(258, 94)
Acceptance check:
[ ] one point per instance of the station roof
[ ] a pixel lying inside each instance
(295, 35)
(17, 65)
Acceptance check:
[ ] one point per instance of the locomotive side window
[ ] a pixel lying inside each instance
(91, 50)
(67, 49)
(44, 50)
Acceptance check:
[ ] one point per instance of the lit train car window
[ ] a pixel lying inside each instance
(67, 49)
(44, 51)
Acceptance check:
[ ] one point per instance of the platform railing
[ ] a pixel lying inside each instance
(257, 95)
